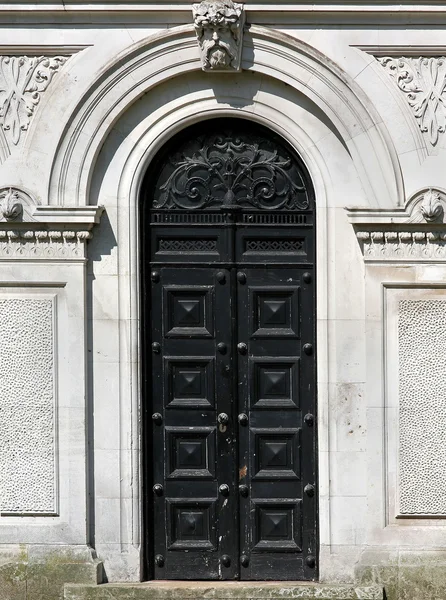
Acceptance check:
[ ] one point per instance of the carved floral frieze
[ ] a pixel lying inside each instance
(43, 244)
(219, 29)
(423, 81)
(23, 80)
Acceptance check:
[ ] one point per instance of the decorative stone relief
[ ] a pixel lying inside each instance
(16, 205)
(23, 79)
(422, 407)
(43, 244)
(219, 28)
(27, 410)
(423, 81)
(403, 245)
(427, 207)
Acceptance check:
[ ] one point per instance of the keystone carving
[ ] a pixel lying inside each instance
(219, 29)
(423, 81)
(16, 205)
(23, 79)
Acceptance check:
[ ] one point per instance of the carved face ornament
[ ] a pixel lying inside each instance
(218, 30)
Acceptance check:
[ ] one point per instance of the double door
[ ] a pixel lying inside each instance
(232, 427)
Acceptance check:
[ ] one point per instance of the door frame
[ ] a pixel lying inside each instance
(147, 555)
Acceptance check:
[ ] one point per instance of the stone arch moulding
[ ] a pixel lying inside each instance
(168, 54)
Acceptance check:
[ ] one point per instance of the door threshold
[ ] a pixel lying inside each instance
(222, 590)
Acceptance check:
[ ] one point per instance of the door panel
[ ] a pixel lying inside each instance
(272, 329)
(194, 455)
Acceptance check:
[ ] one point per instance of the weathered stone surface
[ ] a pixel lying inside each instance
(219, 590)
(34, 573)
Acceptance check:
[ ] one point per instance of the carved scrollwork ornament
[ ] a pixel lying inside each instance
(231, 172)
(427, 206)
(219, 28)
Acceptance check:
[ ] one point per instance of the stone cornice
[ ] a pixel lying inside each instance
(414, 233)
(29, 231)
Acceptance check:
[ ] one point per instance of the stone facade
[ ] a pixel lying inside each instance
(89, 92)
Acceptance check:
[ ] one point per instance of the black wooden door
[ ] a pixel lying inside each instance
(229, 355)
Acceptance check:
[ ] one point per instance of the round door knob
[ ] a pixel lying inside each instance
(155, 276)
(244, 491)
(241, 277)
(242, 348)
(309, 490)
(222, 348)
(308, 349)
(159, 560)
(224, 489)
(156, 348)
(243, 419)
(223, 418)
(244, 560)
(157, 418)
(307, 277)
(309, 420)
(226, 560)
(221, 277)
(158, 489)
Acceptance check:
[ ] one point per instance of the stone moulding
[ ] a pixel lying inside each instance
(414, 233)
(219, 28)
(31, 231)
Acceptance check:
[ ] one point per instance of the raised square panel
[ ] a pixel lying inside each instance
(277, 454)
(189, 524)
(188, 312)
(189, 382)
(275, 312)
(277, 525)
(274, 383)
(190, 452)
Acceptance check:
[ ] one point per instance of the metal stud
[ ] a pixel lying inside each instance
(309, 420)
(222, 348)
(226, 560)
(307, 278)
(310, 561)
(244, 491)
(224, 489)
(159, 560)
(158, 489)
(157, 418)
(241, 277)
(244, 560)
(156, 348)
(242, 348)
(221, 277)
(243, 419)
(309, 490)
(223, 418)
(155, 276)
(308, 349)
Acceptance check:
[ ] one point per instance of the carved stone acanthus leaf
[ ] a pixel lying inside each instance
(219, 28)
(423, 81)
(427, 206)
(16, 205)
(23, 79)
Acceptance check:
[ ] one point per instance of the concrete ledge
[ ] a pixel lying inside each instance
(185, 590)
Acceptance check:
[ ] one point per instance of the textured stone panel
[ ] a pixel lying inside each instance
(27, 407)
(422, 407)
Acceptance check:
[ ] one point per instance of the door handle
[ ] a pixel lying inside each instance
(224, 489)
(242, 348)
(223, 418)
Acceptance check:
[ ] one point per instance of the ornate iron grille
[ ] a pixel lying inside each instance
(229, 164)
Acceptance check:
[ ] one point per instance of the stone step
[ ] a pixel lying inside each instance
(227, 590)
